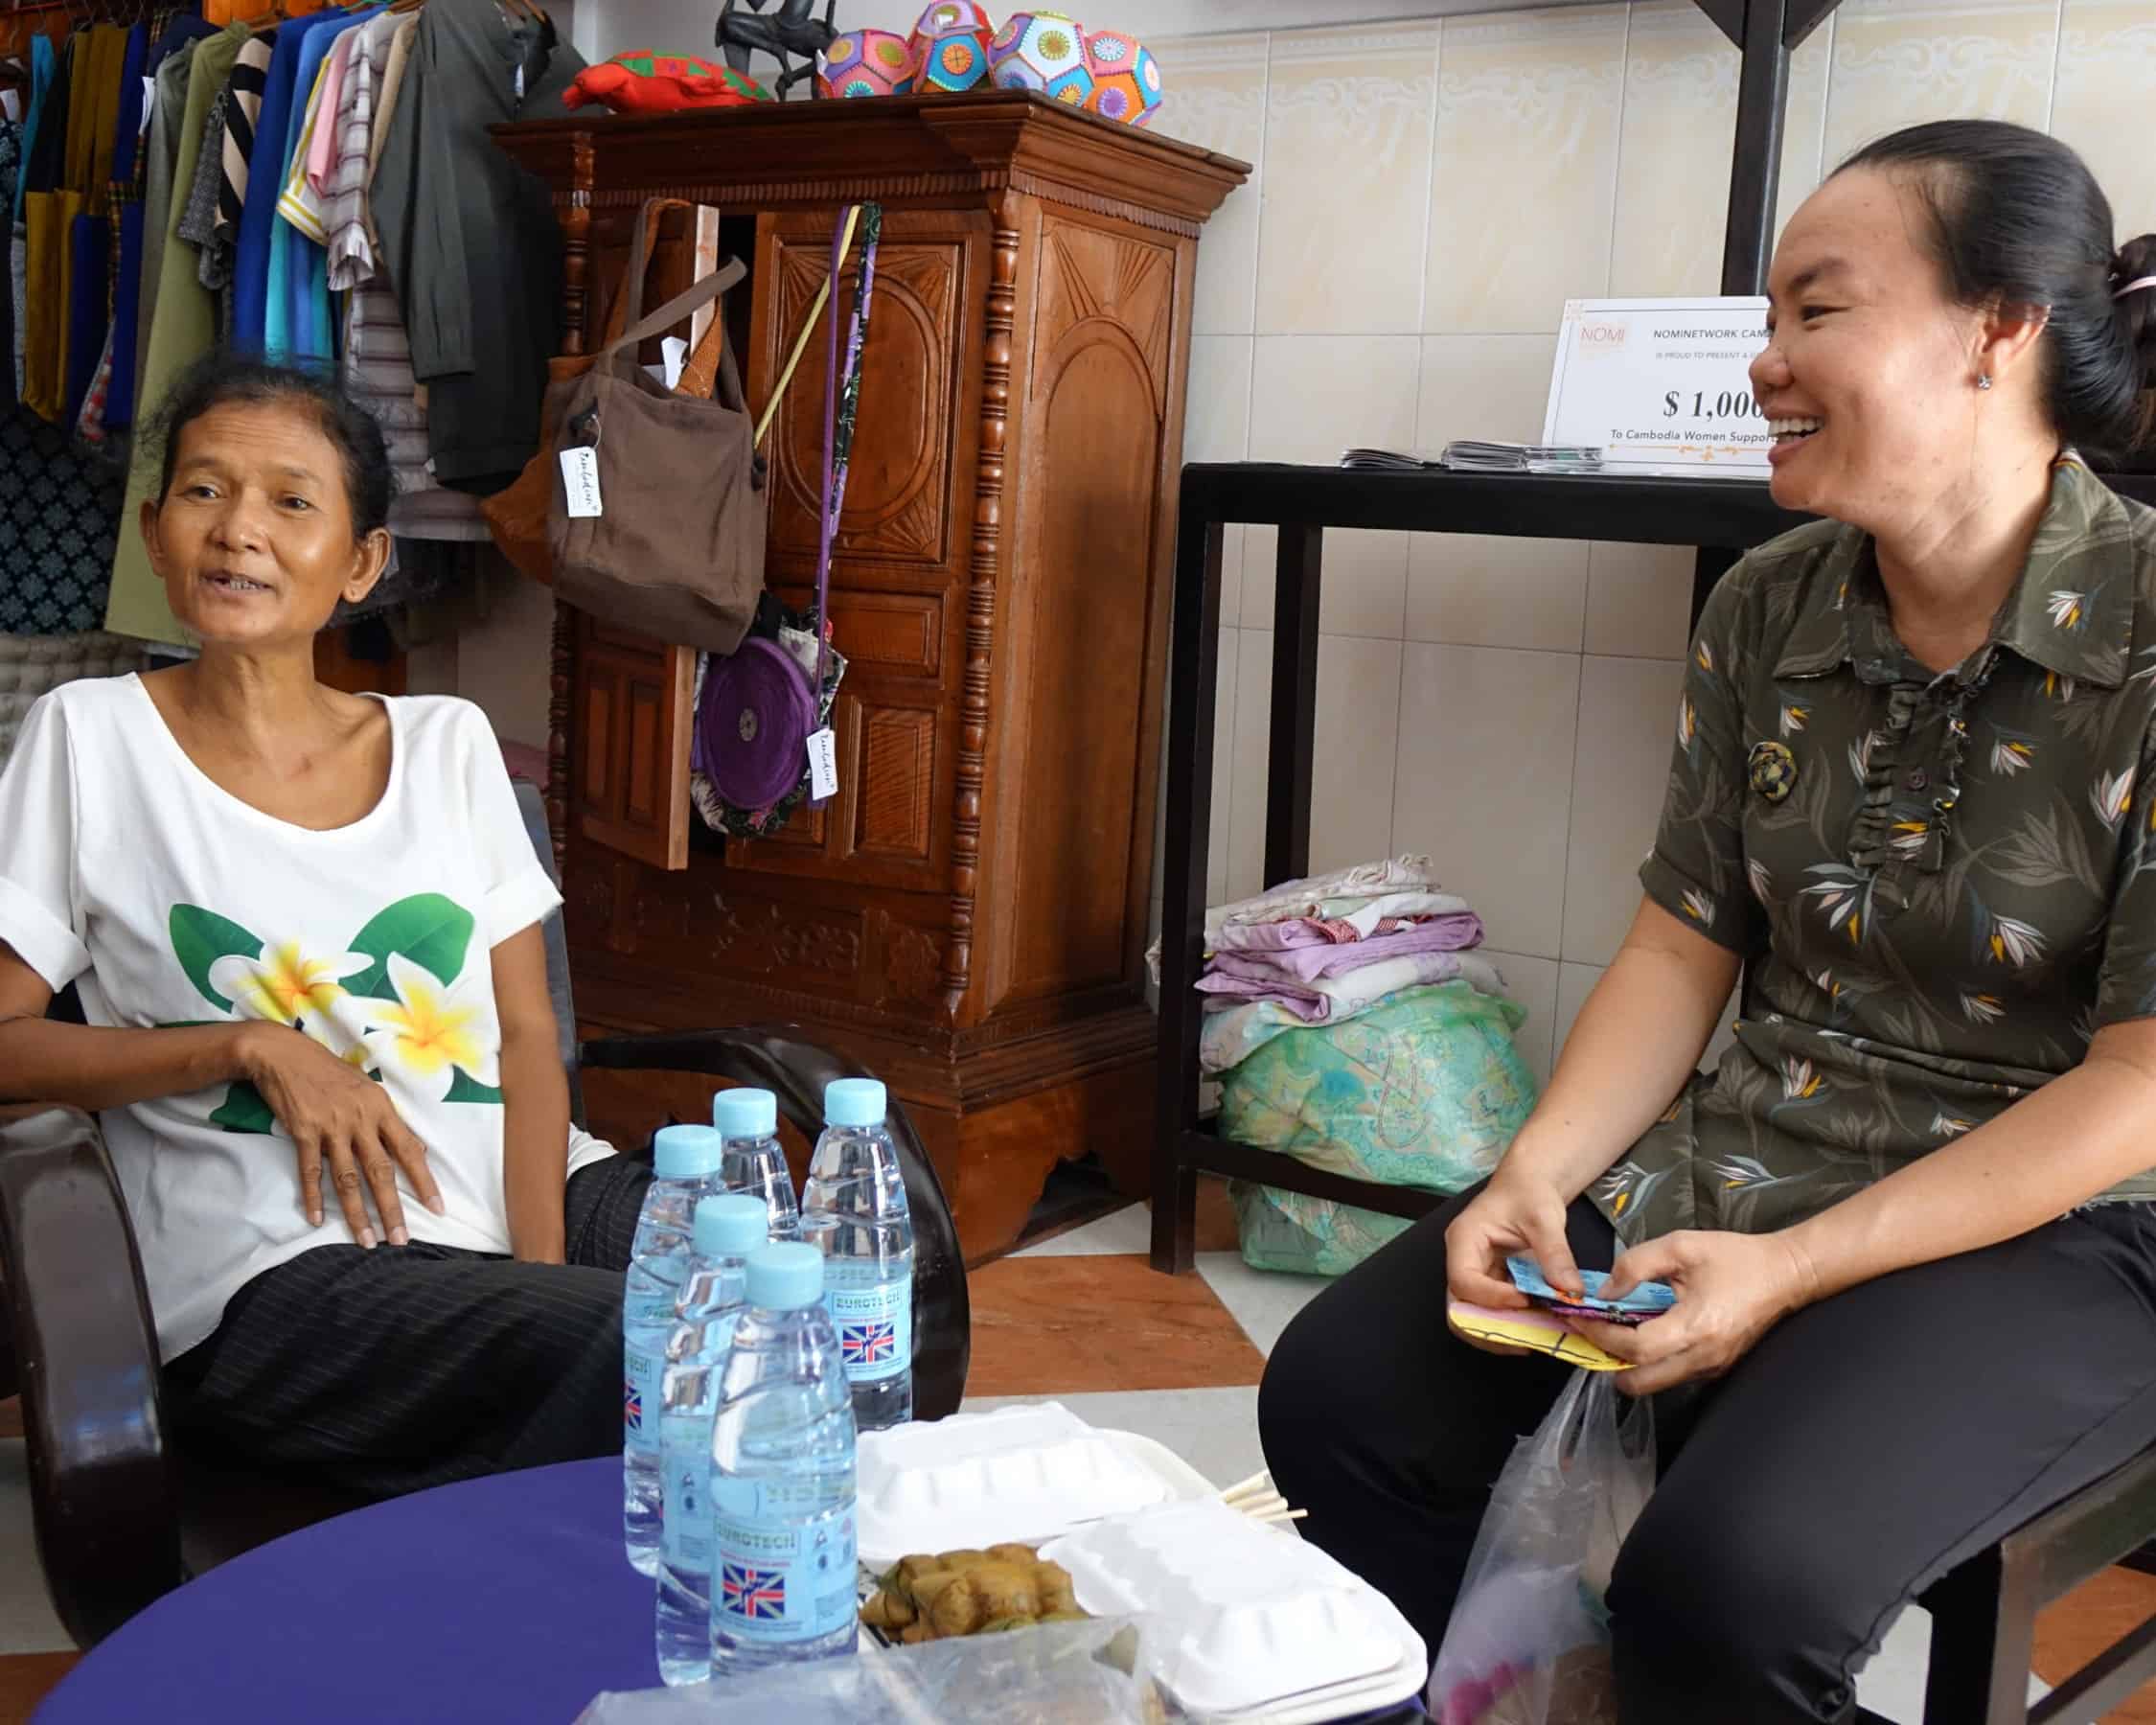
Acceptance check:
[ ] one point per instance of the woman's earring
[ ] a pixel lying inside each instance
(1984, 381)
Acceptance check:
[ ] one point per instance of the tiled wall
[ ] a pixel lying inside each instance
(1426, 196)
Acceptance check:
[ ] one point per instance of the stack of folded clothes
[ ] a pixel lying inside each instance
(1354, 1027)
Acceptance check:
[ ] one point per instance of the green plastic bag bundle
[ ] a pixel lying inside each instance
(1425, 1091)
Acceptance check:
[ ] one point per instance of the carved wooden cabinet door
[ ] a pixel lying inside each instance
(899, 561)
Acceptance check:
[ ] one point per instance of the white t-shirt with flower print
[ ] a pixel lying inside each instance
(126, 869)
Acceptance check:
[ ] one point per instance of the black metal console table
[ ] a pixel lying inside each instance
(1722, 517)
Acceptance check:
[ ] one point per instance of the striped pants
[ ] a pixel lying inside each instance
(406, 1367)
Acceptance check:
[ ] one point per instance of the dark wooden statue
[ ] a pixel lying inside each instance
(794, 29)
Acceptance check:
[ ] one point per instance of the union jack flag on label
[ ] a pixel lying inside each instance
(756, 1594)
(632, 1405)
(873, 1343)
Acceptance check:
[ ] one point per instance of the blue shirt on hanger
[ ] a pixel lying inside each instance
(296, 326)
(41, 64)
(266, 177)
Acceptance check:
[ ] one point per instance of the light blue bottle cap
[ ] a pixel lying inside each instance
(785, 1277)
(740, 1113)
(686, 1152)
(732, 1226)
(853, 1102)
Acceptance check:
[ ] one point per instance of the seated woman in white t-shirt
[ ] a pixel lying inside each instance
(306, 931)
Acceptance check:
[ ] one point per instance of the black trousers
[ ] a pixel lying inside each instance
(1863, 1448)
(390, 1371)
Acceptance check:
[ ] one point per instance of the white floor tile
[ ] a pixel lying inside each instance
(1213, 1429)
(1263, 1301)
(1892, 1684)
(27, 1624)
(1129, 1229)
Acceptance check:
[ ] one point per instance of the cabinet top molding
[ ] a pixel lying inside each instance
(892, 149)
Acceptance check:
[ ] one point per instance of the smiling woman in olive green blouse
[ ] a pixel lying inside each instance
(1913, 803)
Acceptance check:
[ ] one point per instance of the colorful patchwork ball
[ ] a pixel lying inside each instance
(1037, 51)
(866, 62)
(950, 46)
(1126, 78)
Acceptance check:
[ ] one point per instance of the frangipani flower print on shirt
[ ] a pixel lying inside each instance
(1955, 889)
(405, 997)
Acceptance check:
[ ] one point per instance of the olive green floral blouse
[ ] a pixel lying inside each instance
(1942, 885)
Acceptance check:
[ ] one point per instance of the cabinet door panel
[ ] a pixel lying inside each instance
(630, 778)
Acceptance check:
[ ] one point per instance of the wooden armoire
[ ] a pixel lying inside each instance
(968, 916)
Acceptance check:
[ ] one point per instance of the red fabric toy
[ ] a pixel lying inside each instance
(647, 83)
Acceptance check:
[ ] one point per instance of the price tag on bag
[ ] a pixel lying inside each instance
(1661, 385)
(580, 482)
(823, 765)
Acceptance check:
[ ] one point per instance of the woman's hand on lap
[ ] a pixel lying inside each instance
(338, 1115)
(1731, 1289)
(1515, 1213)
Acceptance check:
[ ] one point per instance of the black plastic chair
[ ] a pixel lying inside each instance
(123, 1516)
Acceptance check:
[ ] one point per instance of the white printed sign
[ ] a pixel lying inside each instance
(1661, 385)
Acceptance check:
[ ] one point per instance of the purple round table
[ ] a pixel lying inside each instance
(504, 1599)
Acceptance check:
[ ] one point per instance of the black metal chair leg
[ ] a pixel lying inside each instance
(1983, 1636)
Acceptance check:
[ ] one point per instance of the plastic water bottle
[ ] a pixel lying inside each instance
(782, 1477)
(685, 1167)
(748, 1120)
(854, 1207)
(727, 1230)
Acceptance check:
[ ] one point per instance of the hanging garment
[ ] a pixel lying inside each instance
(198, 208)
(183, 329)
(469, 240)
(265, 175)
(89, 246)
(161, 164)
(40, 80)
(344, 203)
(59, 518)
(298, 308)
(11, 166)
(45, 220)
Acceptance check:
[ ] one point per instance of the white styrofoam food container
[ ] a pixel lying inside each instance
(1249, 1615)
(1022, 1473)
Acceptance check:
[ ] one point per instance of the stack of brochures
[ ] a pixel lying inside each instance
(1470, 457)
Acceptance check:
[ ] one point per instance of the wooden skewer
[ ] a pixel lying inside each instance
(1260, 1506)
(1282, 1515)
(1259, 1481)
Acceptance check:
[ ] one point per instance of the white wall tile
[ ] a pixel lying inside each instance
(1639, 600)
(2106, 70)
(1347, 180)
(1621, 772)
(1487, 386)
(1520, 204)
(1216, 99)
(1804, 132)
(1897, 64)
(1532, 982)
(1312, 396)
(1575, 983)
(1217, 427)
(1245, 850)
(1486, 590)
(1486, 739)
(1673, 169)
(1225, 692)
(1352, 791)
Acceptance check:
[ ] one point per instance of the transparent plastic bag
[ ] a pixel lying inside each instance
(1091, 1674)
(1529, 1643)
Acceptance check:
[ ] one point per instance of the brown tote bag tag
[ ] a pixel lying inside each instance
(517, 515)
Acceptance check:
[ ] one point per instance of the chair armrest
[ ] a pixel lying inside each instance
(100, 1491)
(780, 1059)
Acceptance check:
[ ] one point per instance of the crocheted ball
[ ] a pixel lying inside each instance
(950, 46)
(1037, 51)
(866, 62)
(1126, 78)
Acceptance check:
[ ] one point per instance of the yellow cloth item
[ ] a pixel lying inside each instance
(292, 204)
(183, 327)
(44, 309)
(108, 62)
(68, 203)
